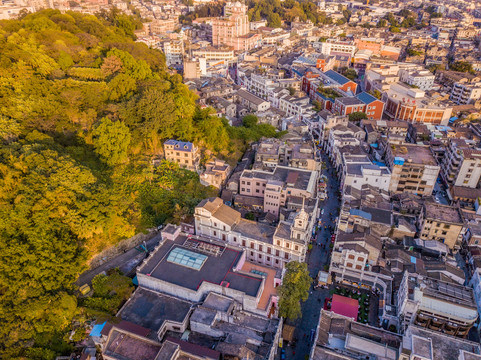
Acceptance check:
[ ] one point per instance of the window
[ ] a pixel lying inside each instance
(349, 265)
(277, 252)
(243, 243)
(223, 237)
(252, 245)
(277, 261)
(215, 224)
(278, 242)
(235, 239)
(268, 250)
(252, 253)
(260, 247)
(297, 248)
(351, 257)
(260, 256)
(224, 227)
(286, 255)
(268, 258)
(215, 233)
(288, 245)
(360, 259)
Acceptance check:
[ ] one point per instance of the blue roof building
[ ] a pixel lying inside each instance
(180, 145)
(336, 77)
(366, 98)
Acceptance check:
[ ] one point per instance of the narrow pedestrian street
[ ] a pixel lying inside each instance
(317, 259)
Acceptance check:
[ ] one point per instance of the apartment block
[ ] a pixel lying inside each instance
(461, 164)
(186, 154)
(162, 26)
(465, 93)
(215, 53)
(327, 121)
(275, 187)
(413, 168)
(252, 102)
(423, 343)
(331, 47)
(422, 79)
(358, 171)
(233, 28)
(442, 223)
(273, 152)
(215, 174)
(174, 52)
(436, 305)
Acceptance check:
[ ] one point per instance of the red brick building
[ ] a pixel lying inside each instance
(339, 81)
(362, 102)
(374, 107)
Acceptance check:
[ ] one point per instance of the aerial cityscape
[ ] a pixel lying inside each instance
(240, 180)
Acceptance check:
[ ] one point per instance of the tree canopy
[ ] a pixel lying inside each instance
(357, 116)
(461, 66)
(294, 289)
(84, 110)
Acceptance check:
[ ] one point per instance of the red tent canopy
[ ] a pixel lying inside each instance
(343, 305)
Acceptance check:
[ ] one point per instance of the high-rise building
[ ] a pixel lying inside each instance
(232, 29)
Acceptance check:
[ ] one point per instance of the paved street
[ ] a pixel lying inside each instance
(126, 262)
(316, 260)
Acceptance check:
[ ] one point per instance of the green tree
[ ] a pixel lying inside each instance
(249, 121)
(250, 216)
(111, 141)
(381, 23)
(110, 291)
(294, 289)
(350, 74)
(317, 105)
(43, 218)
(10, 129)
(376, 93)
(357, 116)
(408, 22)
(412, 52)
(461, 66)
(121, 86)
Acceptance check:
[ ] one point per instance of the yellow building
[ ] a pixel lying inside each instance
(183, 153)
